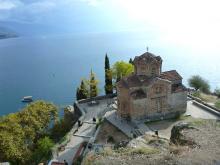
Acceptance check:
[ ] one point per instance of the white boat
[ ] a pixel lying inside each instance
(27, 99)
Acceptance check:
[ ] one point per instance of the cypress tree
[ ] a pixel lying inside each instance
(93, 85)
(82, 91)
(108, 77)
(130, 61)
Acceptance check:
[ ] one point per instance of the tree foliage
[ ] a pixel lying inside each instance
(19, 132)
(131, 61)
(88, 88)
(217, 92)
(43, 150)
(121, 69)
(82, 92)
(108, 77)
(93, 84)
(199, 83)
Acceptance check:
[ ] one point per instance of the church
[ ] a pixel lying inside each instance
(149, 93)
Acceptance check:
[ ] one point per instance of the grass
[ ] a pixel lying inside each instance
(176, 149)
(208, 98)
(143, 151)
(217, 104)
(205, 97)
(155, 141)
(138, 151)
(89, 159)
(198, 122)
(130, 151)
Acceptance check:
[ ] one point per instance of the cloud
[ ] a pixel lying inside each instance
(41, 6)
(194, 24)
(9, 4)
(25, 11)
(92, 2)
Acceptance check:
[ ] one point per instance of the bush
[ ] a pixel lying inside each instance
(199, 83)
(217, 104)
(196, 94)
(217, 92)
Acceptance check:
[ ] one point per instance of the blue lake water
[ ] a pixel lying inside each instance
(51, 67)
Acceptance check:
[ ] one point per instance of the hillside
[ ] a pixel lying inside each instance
(197, 143)
(6, 33)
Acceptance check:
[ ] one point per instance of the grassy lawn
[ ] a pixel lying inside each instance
(206, 97)
(214, 100)
(217, 104)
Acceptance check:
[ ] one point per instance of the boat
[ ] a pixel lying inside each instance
(27, 99)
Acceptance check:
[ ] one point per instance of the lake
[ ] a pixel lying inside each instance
(51, 67)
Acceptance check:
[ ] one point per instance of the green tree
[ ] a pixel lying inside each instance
(121, 69)
(93, 84)
(43, 151)
(198, 83)
(217, 92)
(131, 61)
(12, 141)
(36, 119)
(20, 131)
(108, 77)
(82, 91)
(59, 130)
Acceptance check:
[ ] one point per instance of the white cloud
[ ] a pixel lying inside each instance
(92, 2)
(194, 24)
(23, 11)
(41, 6)
(8, 4)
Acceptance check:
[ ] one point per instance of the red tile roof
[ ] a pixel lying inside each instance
(135, 80)
(171, 75)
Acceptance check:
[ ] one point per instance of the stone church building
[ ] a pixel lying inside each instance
(150, 93)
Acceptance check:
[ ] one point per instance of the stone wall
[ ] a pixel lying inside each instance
(139, 108)
(123, 102)
(178, 100)
(152, 68)
(96, 98)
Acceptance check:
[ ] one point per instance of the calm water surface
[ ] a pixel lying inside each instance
(50, 68)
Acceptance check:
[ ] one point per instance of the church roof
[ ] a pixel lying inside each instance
(171, 75)
(140, 80)
(148, 57)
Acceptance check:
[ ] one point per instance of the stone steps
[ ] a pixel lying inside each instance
(137, 132)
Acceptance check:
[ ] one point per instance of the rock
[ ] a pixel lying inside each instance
(177, 136)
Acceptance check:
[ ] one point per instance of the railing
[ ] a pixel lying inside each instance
(204, 103)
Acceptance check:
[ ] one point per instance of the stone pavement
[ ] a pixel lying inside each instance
(86, 131)
(83, 134)
(198, 112)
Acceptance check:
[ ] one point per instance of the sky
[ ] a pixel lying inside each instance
(188, 26)
(193, 23)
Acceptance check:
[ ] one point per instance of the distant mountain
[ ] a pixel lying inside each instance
(34, 29)
(7, 33)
